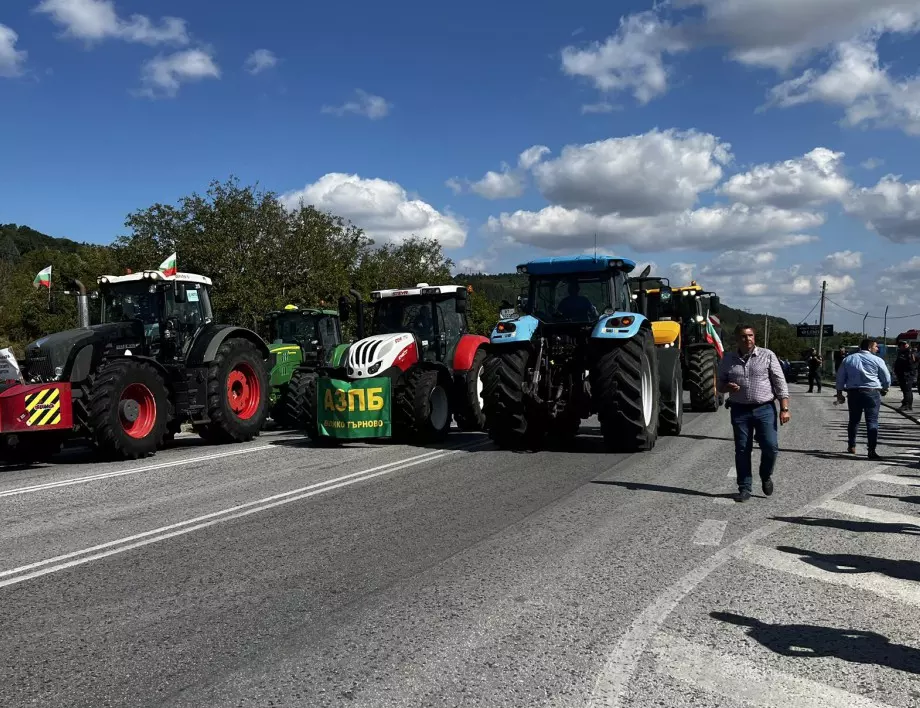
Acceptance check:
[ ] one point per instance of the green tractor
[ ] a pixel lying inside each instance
(299, 337)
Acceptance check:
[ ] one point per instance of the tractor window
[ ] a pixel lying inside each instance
(404, 314)
(622, 301)
(294, 329)
(131, 301)
(686, 307)
(570, 298)
(193, 313)
(328, 335)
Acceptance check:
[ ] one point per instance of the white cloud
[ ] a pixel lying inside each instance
(532, 156)
(11, 59)
(499, 185)
(364, 104)
(635, 175)
(602, 107)
(856, 82)
(455, 185)
(816, 178)
(471, 266)
(383, 209)
(95, 20)
(873, 163)
(732, 263)
(163, 75)
(891, 208)
(843, 260)
(631, 59)
(260, 60)
(709, 228)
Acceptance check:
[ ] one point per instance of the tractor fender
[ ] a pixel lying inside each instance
(445, 375)
(466, 351)
(82, 364)
(204, 349)
(607, 329)
(668, 361)
(515, 331)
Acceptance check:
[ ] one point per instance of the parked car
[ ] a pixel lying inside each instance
(796, 370)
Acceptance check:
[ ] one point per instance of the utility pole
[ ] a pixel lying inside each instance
(821, 321)
(885, 328)
(864, 325)
(766, 331)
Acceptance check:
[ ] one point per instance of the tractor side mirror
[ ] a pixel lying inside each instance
(714, 305)
(344, 308)
(522, 303)
(462, 302)
(181, 294)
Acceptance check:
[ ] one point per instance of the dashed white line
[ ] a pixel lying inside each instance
(732, 473)
(741, 680)
(895, 479)
(103, 550)
(709, 533)
(869, 513)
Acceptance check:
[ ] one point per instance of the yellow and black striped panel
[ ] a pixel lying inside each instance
(44, 407)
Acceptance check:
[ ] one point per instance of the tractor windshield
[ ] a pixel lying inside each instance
(131, 301)
(571, 298)
(404, 314)
(294, 328)
(686, 307)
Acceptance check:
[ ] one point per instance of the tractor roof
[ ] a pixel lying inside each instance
(154, 275)
(294, 310)
(565, 265)
(420, 289)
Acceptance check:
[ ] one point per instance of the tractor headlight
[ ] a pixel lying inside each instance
(373, 368)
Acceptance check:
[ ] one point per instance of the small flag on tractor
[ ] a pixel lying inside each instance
(168, 267)
(43, 278)
(713, 337)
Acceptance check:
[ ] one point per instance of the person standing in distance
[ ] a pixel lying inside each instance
(753, 379)
(905, 369)
(814, 371)
(864, 376)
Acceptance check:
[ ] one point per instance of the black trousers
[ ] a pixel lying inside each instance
(814, 379)
(907, 391)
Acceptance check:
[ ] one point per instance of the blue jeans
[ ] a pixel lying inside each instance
(870, 403)
(745, 421)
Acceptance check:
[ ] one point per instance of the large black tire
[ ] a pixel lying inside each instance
(421, 410)
(469, 415)
(127, 409)
(238, 386)
(702, 369)
(671, 406)
(624, 385)
(290, 409)
(503, 398)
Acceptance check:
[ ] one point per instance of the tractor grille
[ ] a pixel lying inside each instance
(38, 366)
(363, 353)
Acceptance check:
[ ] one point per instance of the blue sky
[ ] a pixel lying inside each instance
(393, 118)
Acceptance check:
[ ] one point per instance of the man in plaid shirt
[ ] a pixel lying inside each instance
(753, 379)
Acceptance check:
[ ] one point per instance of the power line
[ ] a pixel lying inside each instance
(809, 313)
(871, 317)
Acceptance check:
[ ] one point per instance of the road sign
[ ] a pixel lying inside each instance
(813, 330)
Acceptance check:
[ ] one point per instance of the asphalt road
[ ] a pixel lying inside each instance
(277, 574)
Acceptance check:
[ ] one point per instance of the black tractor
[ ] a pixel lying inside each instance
(156, 361)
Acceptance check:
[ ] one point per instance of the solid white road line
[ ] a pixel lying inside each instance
(895, 589)
(133, 470)
(709, 533)
(895, 479)
(86, 555)
(743, 680)
(870, 513)
(617, 672)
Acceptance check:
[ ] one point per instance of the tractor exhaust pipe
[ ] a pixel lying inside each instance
(82, 305)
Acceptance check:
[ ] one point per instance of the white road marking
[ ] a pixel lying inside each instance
(891, 588)
(617, 671)
(870, 514)
(86, 555)
(133, 470)
(895, 479)
(732, 472)
(709, 533)
(742, 680)
(723, 501)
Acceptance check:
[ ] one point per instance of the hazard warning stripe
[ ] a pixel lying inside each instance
(44, 407)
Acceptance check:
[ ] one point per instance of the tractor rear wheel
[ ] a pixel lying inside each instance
(128, 409)
(469, 416)
(238, 388)
(702, 370)
(422, 406)
(671, 414)
(503, 398)
(292, 406)
(624, 385)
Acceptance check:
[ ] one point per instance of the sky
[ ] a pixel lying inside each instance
(761, 147)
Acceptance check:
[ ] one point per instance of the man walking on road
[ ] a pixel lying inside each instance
(814, 371)
(905, 368)
(864, 375)
(753, 379)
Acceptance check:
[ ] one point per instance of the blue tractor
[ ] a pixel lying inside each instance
(578, 345)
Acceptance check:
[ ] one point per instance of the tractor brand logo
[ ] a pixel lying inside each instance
(400, 292)
(127, 346)
(345, 400)
(44, 407)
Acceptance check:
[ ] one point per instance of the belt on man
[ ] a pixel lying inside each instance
(751, 405)
(863, 388)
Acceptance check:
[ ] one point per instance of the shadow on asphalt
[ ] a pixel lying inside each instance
(813, 641)
(906, 500)
(847, 563)
(640, 486)
(855, 526)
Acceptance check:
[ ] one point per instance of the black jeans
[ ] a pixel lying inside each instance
(814, 379)
(907, 391)
(861, 401)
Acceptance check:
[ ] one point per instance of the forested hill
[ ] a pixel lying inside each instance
(16, 241)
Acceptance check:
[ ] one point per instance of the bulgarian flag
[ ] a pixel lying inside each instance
(43, 278)
(712, 336)
(168, 267)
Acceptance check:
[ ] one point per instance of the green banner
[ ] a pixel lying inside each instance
(354, 409)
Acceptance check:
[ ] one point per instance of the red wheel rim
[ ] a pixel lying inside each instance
(146, 419)
(244, 392)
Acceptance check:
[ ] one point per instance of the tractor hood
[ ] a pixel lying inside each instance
(48, 358)
(372, 356)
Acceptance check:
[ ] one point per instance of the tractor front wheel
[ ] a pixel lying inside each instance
(128, 409)
(624, 385)
(505, 408)
(702, 370)
(422, 406)
(671, 414)
(238, 387)
(469, 415)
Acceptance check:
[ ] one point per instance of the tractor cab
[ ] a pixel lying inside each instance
(308, 331)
